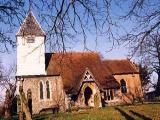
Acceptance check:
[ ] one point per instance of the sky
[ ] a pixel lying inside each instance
(104, 48)
(103, 45)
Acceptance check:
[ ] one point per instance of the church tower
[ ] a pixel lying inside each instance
(30, 47)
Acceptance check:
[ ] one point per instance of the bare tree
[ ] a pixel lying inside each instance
(144, 15)
(143, 35)
(8, 84)
(7, 79)
(11, 14)
(145, 75)
(65, 20)
(150, 55)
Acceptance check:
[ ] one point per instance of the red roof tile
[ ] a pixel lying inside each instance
(121, 66)
(72, 66)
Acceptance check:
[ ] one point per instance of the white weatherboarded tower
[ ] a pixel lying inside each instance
(30, 48)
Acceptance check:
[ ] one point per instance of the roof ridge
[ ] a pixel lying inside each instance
(76, 52)
(115, 60)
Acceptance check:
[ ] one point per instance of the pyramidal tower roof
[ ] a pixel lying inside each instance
(30, 26)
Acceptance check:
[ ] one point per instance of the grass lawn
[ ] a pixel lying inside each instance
(131, 112)
(147, 111)
(92, 114)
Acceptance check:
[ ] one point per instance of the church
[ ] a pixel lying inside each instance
(64, 80)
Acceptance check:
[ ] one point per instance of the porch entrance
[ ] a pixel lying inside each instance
(87, 95)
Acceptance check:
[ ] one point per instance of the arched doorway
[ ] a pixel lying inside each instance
(87, 94)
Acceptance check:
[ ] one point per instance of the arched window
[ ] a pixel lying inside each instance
(41, 90)
(47, 89)
(123, 86)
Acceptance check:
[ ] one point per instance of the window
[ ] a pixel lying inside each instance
(47, 90)
(41, 90)
(30, 40)
(111, 94)
(123, 86)
(108, 95)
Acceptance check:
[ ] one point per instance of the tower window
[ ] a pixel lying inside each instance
(30, 40)
(47, 89)
(41, 90)
(123, 86)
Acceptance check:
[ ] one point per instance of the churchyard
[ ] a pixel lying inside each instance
(147, 111)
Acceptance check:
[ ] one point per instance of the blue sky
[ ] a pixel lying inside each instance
(119, 52)
(103, 45)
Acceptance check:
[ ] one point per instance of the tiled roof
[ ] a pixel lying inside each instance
(30, 26)
(121, 66)
(71, 66)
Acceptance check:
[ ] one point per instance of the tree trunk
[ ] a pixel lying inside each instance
(24, 104)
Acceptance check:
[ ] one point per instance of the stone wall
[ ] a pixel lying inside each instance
(95, 91)
(134, 88)
(57, 94)
(59, 97)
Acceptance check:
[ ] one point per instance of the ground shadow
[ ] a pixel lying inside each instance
(123, 113)
(152, 102)
(139, 115)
